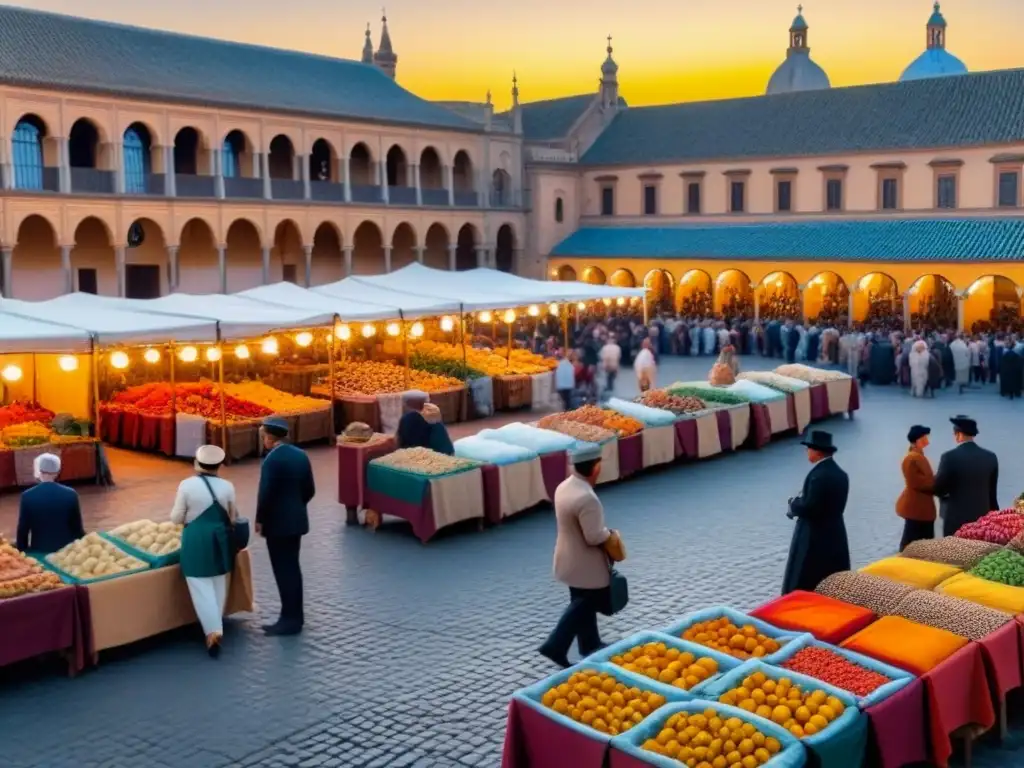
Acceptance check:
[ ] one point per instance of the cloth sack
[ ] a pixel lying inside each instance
(984, 592)
(905, 644)
(906, 570)
(828, 619)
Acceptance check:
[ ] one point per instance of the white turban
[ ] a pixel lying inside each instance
(46, 464)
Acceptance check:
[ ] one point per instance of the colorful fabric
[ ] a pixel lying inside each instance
(906, 570)
(828, 619)
(905, 644)
(984, 592)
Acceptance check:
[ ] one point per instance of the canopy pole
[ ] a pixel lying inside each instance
(95, 390)
(35, 380)
(405, 346)
(330, 367)
(508, 349)
(174, 384)
(223, 401)
(565, 326)
(462, 335)
(647, 310)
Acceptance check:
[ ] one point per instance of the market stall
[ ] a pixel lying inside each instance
(832, 392)
(552, 447)
(797, 392)
(355, 452)
(513, 478)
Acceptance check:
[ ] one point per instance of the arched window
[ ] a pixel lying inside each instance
(229, 160)
(136, 163)
(559, 210)
(27, 143)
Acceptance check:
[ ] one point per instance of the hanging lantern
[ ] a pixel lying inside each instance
(417, 330)
(119, 360)
(394, 329)
(344, 332)
(620, 301)
(329, 338)
(212, 354)
(304, 339)
(581, 306)
(447, 324)
(510, 316)
(189, 355)
(269, 346)
(11, 373)
(533, 311)
(369, 331)
(151, 356)
(68, 363)
(242, 352)
(553, 309)
(485, 317)
(607, 302)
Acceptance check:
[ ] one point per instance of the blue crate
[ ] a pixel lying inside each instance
(792, 754)
(154, 561)
(784, 637)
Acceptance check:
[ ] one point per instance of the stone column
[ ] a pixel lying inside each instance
(172, 268)
(416, 183)
(802, 288)
(382, 173)
(961, 302)
(6, 167)
(307, 192)
(420, 250)
(452, 258)
(65, 267)
(517, 261)
(307, 255)
(906, 311)
(268, 193)
(7, 271)
(449, 179)
(265, 262)
(387, 259)
(170, 182)
(256, 165)
(217, 158)
(346, 178)
(64, 170)
(347, 250)
(849, 310)
(481, 256)
(117, 149)
(120, 259)
(222, 267)
(757, 303)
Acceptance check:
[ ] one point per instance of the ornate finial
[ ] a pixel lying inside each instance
(800, 8)
(936, 8)
(488, 97)
(515, 80)
(609, 49)
(384, 15)
(367, 29)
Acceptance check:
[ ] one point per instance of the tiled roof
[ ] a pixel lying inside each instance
(69, 53)
(974, 109)
(981, 239)
(551, 119)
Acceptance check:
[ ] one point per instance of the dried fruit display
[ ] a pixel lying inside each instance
(659, 398)
(963, 553)
(371, 378)
(21, 575)
(585, 432)
(835, 669)
(199, 399)
(802, 713)
(725, 637)
(93, 557)
(25, 434)
(423, 461)
(274, 399)
(1003, 567)
(774, 380)
(599, 701)
(671, 666)
(710, 738)
(809, 374)
(597, 417)
(953, 614)
(150, 537)
(22, 412)
(875, 593)
(995, 527)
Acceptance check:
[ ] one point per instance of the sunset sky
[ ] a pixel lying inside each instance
(667, 50)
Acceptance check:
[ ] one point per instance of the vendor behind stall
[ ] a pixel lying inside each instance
(413, 429)
(439, 439)
(49, 517)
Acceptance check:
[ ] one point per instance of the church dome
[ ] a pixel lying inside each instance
(936, 61)
(799, 72)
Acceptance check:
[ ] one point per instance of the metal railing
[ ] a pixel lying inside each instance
(287, 189)
(188, 185)
(91, 180)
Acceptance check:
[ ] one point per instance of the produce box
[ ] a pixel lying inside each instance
(898, 678)
(824, 617)
(953, 614)
(512, 392)
(492, 451)
(840, 742)
(48, 562)
(153, 560)
(451, 402)
(243, 439)
(789, 755)
(999, 527)
(906, 570)
(984, 592)
(763, 631)
(905, 644)
(674, 647)
(875, 593)
(314, 426)
(542, 441)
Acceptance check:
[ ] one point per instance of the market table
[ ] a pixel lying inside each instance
(80, 460)
(701, 435)
(958, 697)
(555, 468)
(660, 445)
(898, 728)
(353, 459)
(512, 488)
(799, 405)
(428, 503)
(631, 454)
(44, 622)
(535, 741)
(831, 398)
(130, 608)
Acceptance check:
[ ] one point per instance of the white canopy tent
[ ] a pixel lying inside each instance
(292, 296)
(412, 306)
(22, 334)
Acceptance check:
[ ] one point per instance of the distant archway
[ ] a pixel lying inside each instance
(565, 274)
(360, 167)
(368, 250)
(281, 162)
(198, 270)
(594, 276)
(403, 246)
(505, 248)
(933, 304)
(695, 294)
(327, 261)
(397, 167)
(621, 278)
(93, 263)
(778, 298)
(465, 248)
(435, 253)
(827, 300)
(876, 299)
(992, 304)
(660, 290)
(244, 256)
(147, 272)
(287, 258)
(36, 270)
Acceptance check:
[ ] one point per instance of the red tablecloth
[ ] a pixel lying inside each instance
(535, 741)
(631, 454)
(724, 429)
(110, 427)
(898, 729)
(760, 425)
(492, 493)
(854, 396)
(156, 433)
(1002, 654)
(819, 402)
(957, 694)
(686, 438)
(555, 467)
(45, 622)
(8, 474)
(352, 461)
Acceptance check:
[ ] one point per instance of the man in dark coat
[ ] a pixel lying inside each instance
(946, 359)
(1011, 373)
(819, 547)
(966, 479)
(286, 487)
(413, 429)
(792, 341)
(49, 515)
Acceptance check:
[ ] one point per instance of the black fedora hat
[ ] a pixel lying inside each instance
(917, 432)
(965, 425)
(820, 440)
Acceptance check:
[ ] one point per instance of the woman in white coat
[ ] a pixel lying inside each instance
(961, 361)
(919, 368)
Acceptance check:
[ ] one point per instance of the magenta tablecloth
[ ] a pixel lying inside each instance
(617, 759)
(724, 429)
(761, 425)
(631, 454)
(819, 402)
(686, 438)
(492, 493)
(42, 623)
(854, 396)
(535, 741)
(1001, 652)
(957, 694)
(898, 728)
(555, 468)
(352, 461)
(420, 516)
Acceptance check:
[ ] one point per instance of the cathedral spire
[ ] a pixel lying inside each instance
(937, 29)
(609, 79)
(385, 57)
(517, 113)
(367, 47)
(798, 32)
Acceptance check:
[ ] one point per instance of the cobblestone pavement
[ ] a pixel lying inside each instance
(411, 651)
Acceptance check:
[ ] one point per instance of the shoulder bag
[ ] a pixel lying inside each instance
(238, 529)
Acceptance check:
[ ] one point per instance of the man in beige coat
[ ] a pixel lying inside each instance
(581, 562)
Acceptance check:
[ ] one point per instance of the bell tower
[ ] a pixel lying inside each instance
(385, 57)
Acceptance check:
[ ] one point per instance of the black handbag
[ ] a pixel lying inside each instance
(618, 592)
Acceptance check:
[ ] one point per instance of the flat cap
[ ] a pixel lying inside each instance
(585, 452)
(276, 426)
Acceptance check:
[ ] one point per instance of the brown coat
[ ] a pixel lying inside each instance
(916, 502)
(580, 559)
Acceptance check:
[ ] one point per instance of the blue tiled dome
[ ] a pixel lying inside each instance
(935, 62)
(797, 73)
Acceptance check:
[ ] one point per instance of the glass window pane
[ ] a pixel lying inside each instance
(27, 146)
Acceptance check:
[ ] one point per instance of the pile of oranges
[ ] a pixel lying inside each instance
(802, 713)
(598, 700)
(708, 739)
(740, 642)
(671, 666)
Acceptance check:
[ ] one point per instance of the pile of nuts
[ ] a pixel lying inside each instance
(878, 595)
(953, 614)
(951, 550)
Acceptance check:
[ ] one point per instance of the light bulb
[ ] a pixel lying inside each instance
(242, 352)
(581, 306)
(304, 339)
(68, 363)
(510, 316)
(151, 355)
(11, 373)
(269, 346)
(189, 355)
(212, 354)
(553, 309)
(329, 338)
(394, 329)
(620, 301)
(485, 317)
(368, 331)
(607, 302)
(119, 360)
(447, 324)
(417, 330)
(533, 311)
(344, 333)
